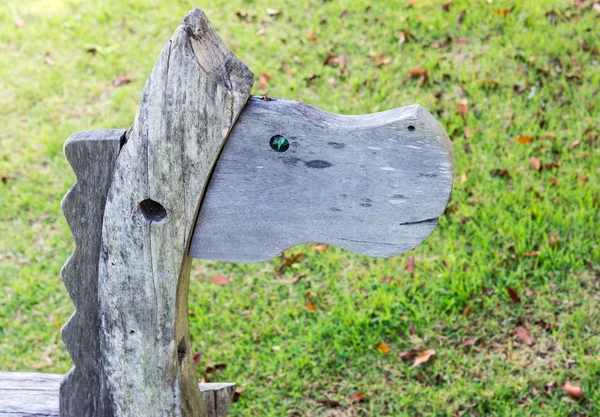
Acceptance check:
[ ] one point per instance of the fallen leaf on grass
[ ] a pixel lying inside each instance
(289, 261)
(309, 305)
(524, 335)
(320, 247)
(359, 397)
(417, 72)
(407, 355)
(384, 60)
(514, 296)
(263, 81)
(553, 240)
(530, 253)
(423, 357)
(466, 310)
(383, 348)
(410, 265)
(220, 280)
(121, 80)
(446, 6)
(462, 107)
(501, 12)
(311, 36)
(524, 139)
(237, 394)
(197, 357)
(469, 342)
(573, 391)
(273, 12)
(535, 163)
(329, 403)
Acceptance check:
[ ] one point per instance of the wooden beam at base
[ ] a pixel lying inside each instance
(24, 394)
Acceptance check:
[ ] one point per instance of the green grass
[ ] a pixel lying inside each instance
(285, 358)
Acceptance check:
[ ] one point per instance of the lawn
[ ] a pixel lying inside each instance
(506, 290)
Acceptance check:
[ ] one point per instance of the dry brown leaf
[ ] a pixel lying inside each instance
(554, 181)
(468, 133)
(273, 12)
(320, 247)
(460, 16)
(329, 403)
(384, 60)
(121, 80)
(359, 397)
(535, 163)
(410, 265)
(575, 144)
(466, 310)
(502, 12)
(469, 342)
(524, 335)
(263, 81)
(461, 41)
(423, 357)
(573, 391)
(530, 253)
(514, 296)
(524, 139)
(309, 305)
(417, 72)
(446, 6)
(462, 107)
(553, 240)
(402, 37)
(289, 261)
(220, 280)
(311, 36)
(407, 355)
(383, 348)
(197, 357)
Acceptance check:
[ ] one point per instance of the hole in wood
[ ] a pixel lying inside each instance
(153, 211)
(411, 128)
(279, 143)
(181, 351)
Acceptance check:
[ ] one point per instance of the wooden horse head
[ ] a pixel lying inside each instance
(207, 171)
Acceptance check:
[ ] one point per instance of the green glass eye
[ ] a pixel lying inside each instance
(279, 143)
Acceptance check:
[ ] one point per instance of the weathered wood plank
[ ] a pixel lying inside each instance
(92, 155)
(189, 104)
(373, 184)
(37, 395)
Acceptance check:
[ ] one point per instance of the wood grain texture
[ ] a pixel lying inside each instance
(373, 184)
(92, 155)
(37, 395)
(189, 104)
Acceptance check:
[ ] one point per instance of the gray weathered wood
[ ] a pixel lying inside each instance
(92, 155)
(189, 104)
(373, 184)
(37, 395)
